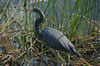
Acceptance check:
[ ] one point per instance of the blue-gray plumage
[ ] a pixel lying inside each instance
(52, 37)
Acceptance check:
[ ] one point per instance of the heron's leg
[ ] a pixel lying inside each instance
(57, 59)
(60, 57)
(62, 60)
(54, 58)
(69, 60)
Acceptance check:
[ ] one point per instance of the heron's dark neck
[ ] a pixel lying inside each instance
(37, 23)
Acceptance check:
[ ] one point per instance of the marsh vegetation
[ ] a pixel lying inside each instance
(79, 20)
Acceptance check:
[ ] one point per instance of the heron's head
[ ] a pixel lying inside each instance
(37, 10)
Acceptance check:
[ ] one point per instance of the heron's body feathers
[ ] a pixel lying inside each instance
(57, 40)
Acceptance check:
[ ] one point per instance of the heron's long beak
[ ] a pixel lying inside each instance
(30, 10)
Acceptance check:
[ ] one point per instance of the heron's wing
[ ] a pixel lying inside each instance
(50, 37)
(57, 40)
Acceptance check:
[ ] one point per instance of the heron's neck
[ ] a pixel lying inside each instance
(37, 23)
(37, 27)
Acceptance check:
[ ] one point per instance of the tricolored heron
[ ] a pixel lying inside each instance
(52, 37)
